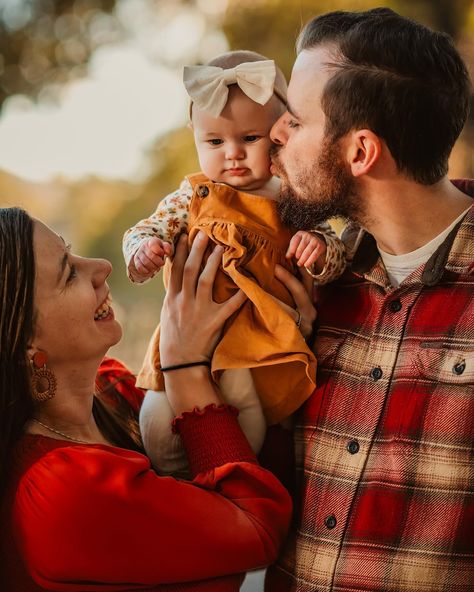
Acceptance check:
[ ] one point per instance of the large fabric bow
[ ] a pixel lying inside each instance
(208, 85)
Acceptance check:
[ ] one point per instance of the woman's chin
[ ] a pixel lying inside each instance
(114, 334)
(119, 333)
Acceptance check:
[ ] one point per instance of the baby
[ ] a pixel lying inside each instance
(262, 362)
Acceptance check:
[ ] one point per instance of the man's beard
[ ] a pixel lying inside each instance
(327, 190)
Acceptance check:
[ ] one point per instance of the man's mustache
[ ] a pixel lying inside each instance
(274, 150)
(274, 157)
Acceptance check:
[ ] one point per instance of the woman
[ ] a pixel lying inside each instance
(81, 508)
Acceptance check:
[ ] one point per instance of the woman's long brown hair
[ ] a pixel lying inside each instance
(17, 275)
(115, 419)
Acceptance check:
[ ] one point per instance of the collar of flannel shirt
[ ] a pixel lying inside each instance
(454, 254)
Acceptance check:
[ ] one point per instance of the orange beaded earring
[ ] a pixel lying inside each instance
(43, 381)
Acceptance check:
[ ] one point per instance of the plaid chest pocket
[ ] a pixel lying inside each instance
(433, 396)
(439, 364)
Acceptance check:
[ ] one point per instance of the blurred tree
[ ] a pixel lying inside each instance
(45, 43)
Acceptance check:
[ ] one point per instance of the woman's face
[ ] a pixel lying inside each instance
(74, 322)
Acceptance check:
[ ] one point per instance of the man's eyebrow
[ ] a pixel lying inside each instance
(291, 111)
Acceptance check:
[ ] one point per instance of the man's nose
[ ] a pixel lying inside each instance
(277, 133)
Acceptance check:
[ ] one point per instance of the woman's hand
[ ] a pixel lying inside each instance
(305, 312)
(191, 322)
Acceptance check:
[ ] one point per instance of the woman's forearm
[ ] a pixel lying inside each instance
(189, 388)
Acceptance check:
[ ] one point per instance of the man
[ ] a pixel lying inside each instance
(385, 445)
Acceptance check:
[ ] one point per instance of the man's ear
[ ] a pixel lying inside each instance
(364, 149)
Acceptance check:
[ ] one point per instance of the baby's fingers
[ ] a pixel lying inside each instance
(143, 265)
(294, 242)
(312, 259)
(310, 254)
(154, 246)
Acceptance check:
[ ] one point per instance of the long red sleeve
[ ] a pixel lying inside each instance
(90, 518)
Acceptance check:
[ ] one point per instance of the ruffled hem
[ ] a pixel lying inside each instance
(212, 437)
(211, 408)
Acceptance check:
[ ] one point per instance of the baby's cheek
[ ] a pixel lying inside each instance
(264, 159)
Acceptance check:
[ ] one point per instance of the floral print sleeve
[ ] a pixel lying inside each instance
(335, 255)
(167, 223)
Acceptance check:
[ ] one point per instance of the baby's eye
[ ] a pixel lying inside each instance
(251, 139)
(215, 142)
(293, 123)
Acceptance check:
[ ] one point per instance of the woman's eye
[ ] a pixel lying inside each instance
(293, 123)
(251, 138)
(215, 142)
(72, 274)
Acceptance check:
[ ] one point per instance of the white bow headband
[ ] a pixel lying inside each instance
(208, 85)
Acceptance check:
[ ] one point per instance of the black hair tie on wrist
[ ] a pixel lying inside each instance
(186, 365)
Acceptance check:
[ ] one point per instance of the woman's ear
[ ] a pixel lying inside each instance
(363, 151)
(31, 350)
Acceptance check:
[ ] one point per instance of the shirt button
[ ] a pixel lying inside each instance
(376, 373)
(395, 305)
(203, 191)
(330, 521)
(459, 368)
(353, 447)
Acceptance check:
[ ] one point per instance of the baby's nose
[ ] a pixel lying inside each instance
(235, 151)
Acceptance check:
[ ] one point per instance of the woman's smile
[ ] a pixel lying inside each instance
(105, 311)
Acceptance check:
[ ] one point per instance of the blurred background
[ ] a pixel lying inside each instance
(93, 113)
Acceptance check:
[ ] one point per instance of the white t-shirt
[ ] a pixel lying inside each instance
(399, 267)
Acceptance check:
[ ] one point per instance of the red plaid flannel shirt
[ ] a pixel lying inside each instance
(385, 445)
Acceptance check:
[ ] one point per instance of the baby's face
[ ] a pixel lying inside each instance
(234, 147)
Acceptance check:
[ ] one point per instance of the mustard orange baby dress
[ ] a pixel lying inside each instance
(261, 336)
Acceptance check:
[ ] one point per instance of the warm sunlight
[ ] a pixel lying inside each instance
(103, 124)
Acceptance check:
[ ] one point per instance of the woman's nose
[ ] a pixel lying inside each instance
(102, 268)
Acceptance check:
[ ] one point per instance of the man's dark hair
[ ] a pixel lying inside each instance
(405, 82)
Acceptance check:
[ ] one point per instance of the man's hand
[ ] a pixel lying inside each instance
(150, 256)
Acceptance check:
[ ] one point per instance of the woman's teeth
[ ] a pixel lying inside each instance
(103, 311)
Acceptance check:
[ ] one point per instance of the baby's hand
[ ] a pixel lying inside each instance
(308, 249)
(150, 256)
